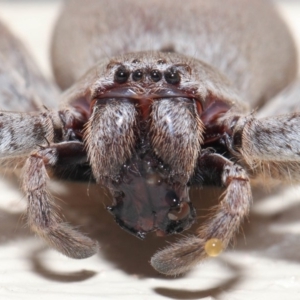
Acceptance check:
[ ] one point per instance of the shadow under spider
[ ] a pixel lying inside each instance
(128, 253)
(36, 258)
(214, 292)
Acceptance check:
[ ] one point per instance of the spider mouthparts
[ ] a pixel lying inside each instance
(138, 233)
(146, 199)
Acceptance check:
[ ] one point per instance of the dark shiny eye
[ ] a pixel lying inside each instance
(121, 75)
(172, 199)
(137, 75)
(172, 76)
(161, 62)
(136, 61)
(155, 75)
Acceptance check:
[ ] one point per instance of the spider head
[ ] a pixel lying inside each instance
(144, 137)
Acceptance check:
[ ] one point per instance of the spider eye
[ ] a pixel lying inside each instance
(172, 199)
(121, 75)
(161, 62)
(137, 75)
(155, 75)
(172, 76)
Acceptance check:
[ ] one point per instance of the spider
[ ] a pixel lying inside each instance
(151, 124)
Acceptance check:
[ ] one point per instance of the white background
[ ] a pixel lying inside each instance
(264, 264)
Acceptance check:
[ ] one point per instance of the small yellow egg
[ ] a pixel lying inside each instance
(213, 247)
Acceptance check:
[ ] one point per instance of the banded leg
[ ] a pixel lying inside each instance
(42, 213)
(223, 223)
(270, 146)
(21, 133)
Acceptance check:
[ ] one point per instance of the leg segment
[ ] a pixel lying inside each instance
(42, 213)
(20, 133)
(287, 101)
(22, 86)
(270, 145)
(223, 223)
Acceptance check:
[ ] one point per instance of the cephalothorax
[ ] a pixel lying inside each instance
(151, 124)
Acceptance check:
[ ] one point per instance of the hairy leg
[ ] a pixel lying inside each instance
(23, 87)
(269, 146)
(43, 217)
(20, 133)
(224, 220)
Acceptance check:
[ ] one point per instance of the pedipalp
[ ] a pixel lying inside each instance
(224, 221)
(42, 213)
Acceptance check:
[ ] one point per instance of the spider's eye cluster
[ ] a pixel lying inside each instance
(155, 75)
(121, 75)
(171, 75)
(137, 75)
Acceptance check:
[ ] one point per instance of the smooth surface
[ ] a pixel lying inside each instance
(264, 264)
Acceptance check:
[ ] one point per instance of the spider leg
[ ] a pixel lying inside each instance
(22, 85)
(269, 146)
(223, 223)
(43, 217)
(287, 101)
(20, 133)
